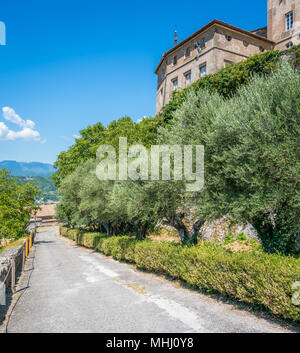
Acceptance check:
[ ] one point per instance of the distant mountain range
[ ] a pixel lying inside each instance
(28, 169)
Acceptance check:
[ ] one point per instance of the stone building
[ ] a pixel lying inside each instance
(218, 44)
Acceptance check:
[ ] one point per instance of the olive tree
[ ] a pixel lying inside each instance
(255, 175)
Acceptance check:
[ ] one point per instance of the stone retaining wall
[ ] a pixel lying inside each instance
(6, 257)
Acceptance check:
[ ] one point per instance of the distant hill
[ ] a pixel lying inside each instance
(28, 169)
(48, 193)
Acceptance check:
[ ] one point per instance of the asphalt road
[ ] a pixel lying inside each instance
(72, 289)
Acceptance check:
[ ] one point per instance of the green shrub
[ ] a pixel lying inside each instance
(121, 248)
(74, 234)
(91, 240)
(228, 80)
(63, 231)
(255, 277)
(68, 233)
(88, 239)
(252, 159)
(17, 202)
(296, 52)
(105, 246)
(241, 236)
(161, 258)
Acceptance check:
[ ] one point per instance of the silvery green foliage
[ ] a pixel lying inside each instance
(84, 199)
(257, 138)
(193, 120)
(133, 202)
(190, 126)
(251, 153)
(251, 169)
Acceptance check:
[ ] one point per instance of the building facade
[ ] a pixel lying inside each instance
(218, 44)
(284, 22)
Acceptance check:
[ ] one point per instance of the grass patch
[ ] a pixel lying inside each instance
(13, 244)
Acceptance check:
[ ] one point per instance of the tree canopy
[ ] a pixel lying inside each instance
(252, 155)
(92, 137)
(251, 143)
(16, 205)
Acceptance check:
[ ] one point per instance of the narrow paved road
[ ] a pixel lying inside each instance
(72, 289)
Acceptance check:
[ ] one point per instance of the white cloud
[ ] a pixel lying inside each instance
(141, 119)
(76, 137)
(3, 130)
(28, 133)
(10, 115)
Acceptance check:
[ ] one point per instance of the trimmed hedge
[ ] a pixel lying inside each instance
(121, 248)
(88, 240)
(255, 278)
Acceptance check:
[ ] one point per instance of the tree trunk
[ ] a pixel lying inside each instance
(196, 227)
(186, 236)
(142, 232)
(108, 228)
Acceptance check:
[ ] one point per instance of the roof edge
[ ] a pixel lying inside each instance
(214, 22)
(257, 29)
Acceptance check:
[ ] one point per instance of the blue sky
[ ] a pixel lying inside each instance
(69, 64)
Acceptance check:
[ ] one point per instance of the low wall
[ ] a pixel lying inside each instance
(7, 256)
(292, 56)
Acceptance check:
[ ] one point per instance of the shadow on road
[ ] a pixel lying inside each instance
(39, 242)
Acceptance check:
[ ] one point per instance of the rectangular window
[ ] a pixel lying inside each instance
(202, 70)
(175, 83)
(161, 94)
(227, 62)
(202, 43)
(188, 52)
(187, 79)
(175, 60)
(289, 21)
